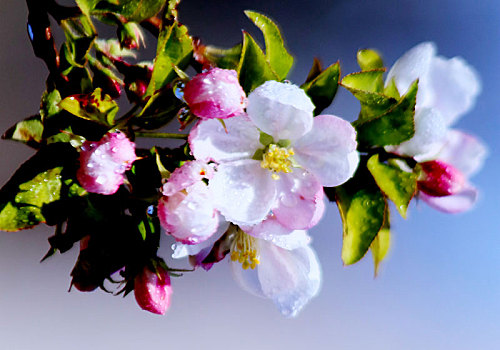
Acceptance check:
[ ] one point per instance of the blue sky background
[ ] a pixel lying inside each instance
(440, 287)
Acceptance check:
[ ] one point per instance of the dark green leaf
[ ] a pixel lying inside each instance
(362, 211)
(223, 58)
(175, 47)
(253, 69)
(369, 59)
(323, 87)
(315, 70)
(393, 127)
(131, 10)
(400, 186)
(28, 131)
(276, 54)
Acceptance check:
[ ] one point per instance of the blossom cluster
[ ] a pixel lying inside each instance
(257, 164)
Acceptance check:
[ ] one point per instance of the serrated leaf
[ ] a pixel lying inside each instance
(223, 58)
(366, 81)
(28, 131)
(131, 10)
(380, 246)
(398, 185)
(174, 48)
(24, 210)
(391, 90)
(253, 69)
(393, 127)
(369, 59)
(95, 107)
(276, 54)
(323, 88)
(362, 213)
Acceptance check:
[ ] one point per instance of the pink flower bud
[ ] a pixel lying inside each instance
(152, 290)
(440, 179)
(103, 163)
(216, 93)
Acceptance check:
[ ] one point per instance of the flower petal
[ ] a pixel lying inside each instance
(455, 203)
(210, 141)
(281, 110)
(414, 64)
(295, 239)
(464, 152)
(451, 86)
(202, 249)
(290, 278)
(430, 132)
(328, 150)
(190, 218)
(187, 175)
(300, 200)
(243, 191)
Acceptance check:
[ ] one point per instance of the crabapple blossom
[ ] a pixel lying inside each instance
(276, 158)
(103, 163)
(216, 93)
(152, 290)
(281, 267)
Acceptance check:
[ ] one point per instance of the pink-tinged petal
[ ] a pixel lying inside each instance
(451, 87)
(465, 152)
(414, 64)
(440, 179)
(328, 150)
(290, 278)
(281, 110)
(189, 217)
(430, 131)
(243, 191)
(216, 93)
(152, 290)
(186, 175)
(210, 141)
(455, 203)
(300, 200)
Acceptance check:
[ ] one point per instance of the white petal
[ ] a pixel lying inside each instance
(300, 200)
(290, 278)
(456, 203)
(202, 249)
(414, 64)
(267, 229)
(328, 150)
(190, 218)
(451, 86)
(281, 110)
(464, 152)
(243, 191)
(430, 131)
(248, 279)
(210, 141)
(295, 239)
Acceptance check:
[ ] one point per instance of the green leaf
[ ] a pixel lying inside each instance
(393, 127)
(253, 69)
(391, 90)
(28, 131)
(380, 246)
(362, 211)
(276, 54)
(49, 105)
(223, 58)
(369, 59)
(24, 209)
(174, 48)
(315, 70)
(94, 107)
(171, 12)
(86, 5)
(131, 10)
(400, 186)
(366, 81)
(323, 87)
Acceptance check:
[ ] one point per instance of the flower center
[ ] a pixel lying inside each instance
(244, 250)
(277, 159)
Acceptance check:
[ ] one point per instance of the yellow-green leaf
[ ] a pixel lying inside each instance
(380, 247)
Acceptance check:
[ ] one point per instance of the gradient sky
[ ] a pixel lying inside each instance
(440, 287)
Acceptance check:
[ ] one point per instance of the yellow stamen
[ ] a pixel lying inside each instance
(244, 250)
(277, 159)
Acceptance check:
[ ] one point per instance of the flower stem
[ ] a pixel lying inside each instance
(162, 135)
